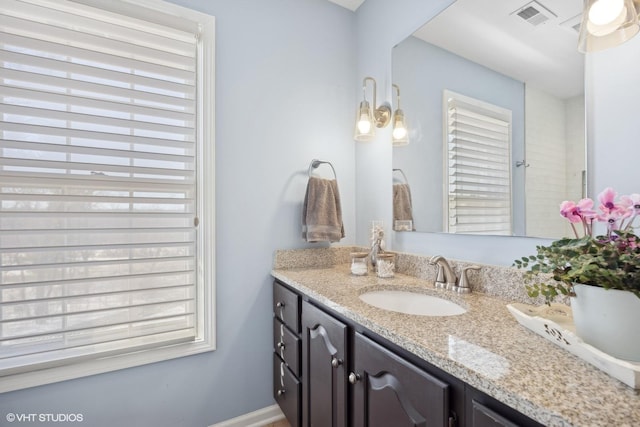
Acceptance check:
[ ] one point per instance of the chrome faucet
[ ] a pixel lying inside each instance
(445, 276)
(377, 247)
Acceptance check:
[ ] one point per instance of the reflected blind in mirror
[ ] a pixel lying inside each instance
(97, 184)
(477, 173)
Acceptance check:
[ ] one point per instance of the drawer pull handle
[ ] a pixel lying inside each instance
(279, 304)
(335, 362)
(354, 378)
(280, 392)
(280, 345)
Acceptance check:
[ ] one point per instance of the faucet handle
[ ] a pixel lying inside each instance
(463, 286)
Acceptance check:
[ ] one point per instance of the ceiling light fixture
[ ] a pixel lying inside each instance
(607, 23)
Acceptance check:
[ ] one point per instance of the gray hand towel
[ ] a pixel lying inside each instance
(321, 212)
(402, 207)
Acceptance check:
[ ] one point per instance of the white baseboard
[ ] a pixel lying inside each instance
(258, 418)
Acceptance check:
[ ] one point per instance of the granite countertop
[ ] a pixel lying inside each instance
(484, 347)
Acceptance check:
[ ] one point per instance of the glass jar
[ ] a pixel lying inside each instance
(386, 265)
(359, 263)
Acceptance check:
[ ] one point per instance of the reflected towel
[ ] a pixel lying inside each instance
(402, 208)
(321, 212)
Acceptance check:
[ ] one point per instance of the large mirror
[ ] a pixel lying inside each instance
(519, 57)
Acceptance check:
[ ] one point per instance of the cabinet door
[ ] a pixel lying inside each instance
(390, 391)
(324, 374)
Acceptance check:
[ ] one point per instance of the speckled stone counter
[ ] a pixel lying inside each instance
(484, 347)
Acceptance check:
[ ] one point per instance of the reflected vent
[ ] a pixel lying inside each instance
(573, 23)
(534, 13)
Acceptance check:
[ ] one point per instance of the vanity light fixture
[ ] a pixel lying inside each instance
(367, 119)
(400, 134)
(607, 23)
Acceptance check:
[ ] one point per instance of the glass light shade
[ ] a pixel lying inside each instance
(400, 134)
(365, 126)
(607, 23)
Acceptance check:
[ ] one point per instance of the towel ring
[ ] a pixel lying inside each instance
(406, 181)
(315, 163)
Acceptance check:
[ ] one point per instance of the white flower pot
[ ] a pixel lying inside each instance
(608, 320)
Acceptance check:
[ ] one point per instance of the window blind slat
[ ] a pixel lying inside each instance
(97, 23)
(102, 168)
(73, 38)
(101, 91)
(122, 76)
(50, 115)
(78, 102)
(84, 286)
(90, 137)
(134, 155)
(461, 139)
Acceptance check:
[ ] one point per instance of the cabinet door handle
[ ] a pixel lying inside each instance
(279, 304)
(453, 419)
(280, 345)
(281, 392)
(335, 362)
(354, 378)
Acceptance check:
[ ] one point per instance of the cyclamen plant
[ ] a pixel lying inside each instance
(610, 261)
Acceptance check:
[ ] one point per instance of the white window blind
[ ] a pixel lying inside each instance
(98, 213)
(478, 158)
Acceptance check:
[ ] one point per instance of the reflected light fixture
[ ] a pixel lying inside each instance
(607, 23)
(400, 134)
(367, 119)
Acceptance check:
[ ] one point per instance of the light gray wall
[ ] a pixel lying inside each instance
(423, 71)
(613, 96)
(285, 94)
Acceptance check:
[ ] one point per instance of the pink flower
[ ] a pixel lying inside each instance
(586, 209)
(577, 212)
(632, 201)
(611, 218)
(607, 201)
(569, 210)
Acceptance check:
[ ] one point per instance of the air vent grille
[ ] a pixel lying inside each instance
(534, 13)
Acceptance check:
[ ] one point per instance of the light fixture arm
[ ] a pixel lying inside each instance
(382, 113)
(397, 88)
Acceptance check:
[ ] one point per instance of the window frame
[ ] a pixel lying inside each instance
(205, 190)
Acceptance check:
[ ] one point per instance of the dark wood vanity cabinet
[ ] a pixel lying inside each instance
(387, 390)
(324, 361)
(390, 391)
(331, 372)
(287, 387)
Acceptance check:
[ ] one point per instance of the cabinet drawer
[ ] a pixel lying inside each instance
(482, 416)
(286, 306)
(287, 391)
(287, 345)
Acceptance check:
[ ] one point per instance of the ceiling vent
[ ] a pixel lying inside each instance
(573, 24)
(534, 13)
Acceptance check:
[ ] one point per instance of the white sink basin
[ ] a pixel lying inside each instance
(412, 303)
